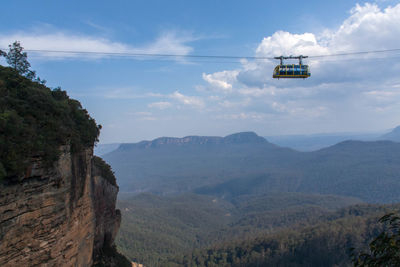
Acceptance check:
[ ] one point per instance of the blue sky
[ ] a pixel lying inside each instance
(138, 98)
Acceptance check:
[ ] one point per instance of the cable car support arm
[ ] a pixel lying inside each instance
(300, 58)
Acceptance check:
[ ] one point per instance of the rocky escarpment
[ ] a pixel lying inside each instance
(237, 138)
(60, 216)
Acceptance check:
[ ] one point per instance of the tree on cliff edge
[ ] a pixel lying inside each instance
(18, 60)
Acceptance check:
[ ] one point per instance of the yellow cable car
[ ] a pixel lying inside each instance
(291, 70)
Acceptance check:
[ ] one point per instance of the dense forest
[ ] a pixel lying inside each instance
(185, 229)
(242, 201)
(35, 121)
(331, 242)
(324, 244)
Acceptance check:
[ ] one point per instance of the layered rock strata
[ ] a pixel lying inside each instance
(60, 216)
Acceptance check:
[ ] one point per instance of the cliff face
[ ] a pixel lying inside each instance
(62, 216)
(108, 219)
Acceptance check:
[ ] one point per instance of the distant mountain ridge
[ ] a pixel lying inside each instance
(245, 163)
(192, 161)
(314, 142)
(102, 149)
(394, 135)
(303, 143)
(237, 138)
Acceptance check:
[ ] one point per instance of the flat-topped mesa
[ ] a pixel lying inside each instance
(237, 138)
(244, 137)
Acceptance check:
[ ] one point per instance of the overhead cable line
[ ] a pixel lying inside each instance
(129, 54)
(144, 54)
(174, 61)
(357, 53)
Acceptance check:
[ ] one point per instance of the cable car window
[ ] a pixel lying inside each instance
(291, 70)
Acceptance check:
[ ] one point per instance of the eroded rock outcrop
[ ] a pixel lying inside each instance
(60, 216)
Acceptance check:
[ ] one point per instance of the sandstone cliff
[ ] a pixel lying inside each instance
(59, 216)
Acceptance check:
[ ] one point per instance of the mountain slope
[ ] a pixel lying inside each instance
(313, 142)
(156, 227)
(168, 165)
(247, 164)
(394, 135)
(367, 170)
(326, 243)
(102, 149)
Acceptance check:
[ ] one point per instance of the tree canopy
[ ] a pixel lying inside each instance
(384, 250)
(18, 60)
(36, 120)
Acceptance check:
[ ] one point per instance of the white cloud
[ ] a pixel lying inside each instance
(126, 93)
(214, 97)
(242, 116)
(384, 97)
(167, 43)
(160, 105)
(257, 92)
(192, 101)
(170, 43)
(144, 116)
(230, 104)
(143, 113)
(221, 80)
(367, 28)
(341, 90)
(166, 100)
(285, 43)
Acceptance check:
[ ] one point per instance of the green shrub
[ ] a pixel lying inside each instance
(104, 170)
(36, 121)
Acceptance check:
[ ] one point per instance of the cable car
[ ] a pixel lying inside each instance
(291, 70)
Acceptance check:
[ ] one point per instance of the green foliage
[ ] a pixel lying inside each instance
(104, 170)
(17, 59)
(109, 256)
(325, 243)
(2, 172)
(156, 228)
(36, 121)
(384, 250)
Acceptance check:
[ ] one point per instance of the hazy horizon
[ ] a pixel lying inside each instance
(377, 132)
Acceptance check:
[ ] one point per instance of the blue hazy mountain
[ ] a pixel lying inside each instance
(245, 163)
(102, 149)
(394, 135)
(167, 165)
(313, 142)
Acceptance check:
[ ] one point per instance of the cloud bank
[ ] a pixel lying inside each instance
(169, 42)
(347, 92)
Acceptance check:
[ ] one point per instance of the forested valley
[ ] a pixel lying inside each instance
(242, 201)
